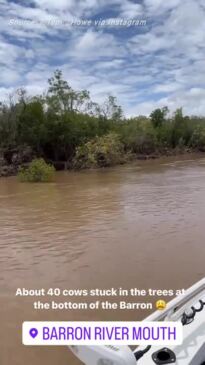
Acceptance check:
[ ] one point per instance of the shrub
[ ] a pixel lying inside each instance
(139, 136)
(38, 171)
(100, 152)
(182, 129)
(198, 138)
(164, 135)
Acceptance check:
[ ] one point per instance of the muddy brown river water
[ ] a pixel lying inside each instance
(140, 225)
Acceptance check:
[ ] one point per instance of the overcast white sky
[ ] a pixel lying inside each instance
(162, 63)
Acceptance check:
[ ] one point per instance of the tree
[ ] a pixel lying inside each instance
(158, 116)
(31, 126)
(9, 118)
(110, 109)
(182, 129)
(62, 98)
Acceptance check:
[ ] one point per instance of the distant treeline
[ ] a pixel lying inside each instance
(66, 125)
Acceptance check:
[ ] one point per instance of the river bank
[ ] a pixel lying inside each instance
(12, 160)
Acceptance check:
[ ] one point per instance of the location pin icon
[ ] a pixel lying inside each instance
(33, 332)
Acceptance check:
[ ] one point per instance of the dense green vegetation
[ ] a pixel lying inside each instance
(100, 152)
(37, 171)
(66, 125)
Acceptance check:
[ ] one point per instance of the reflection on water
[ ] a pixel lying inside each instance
(140, 226)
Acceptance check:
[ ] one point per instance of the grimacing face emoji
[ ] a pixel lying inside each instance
(161, 304)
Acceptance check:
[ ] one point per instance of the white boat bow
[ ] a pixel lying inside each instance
(189, 309)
